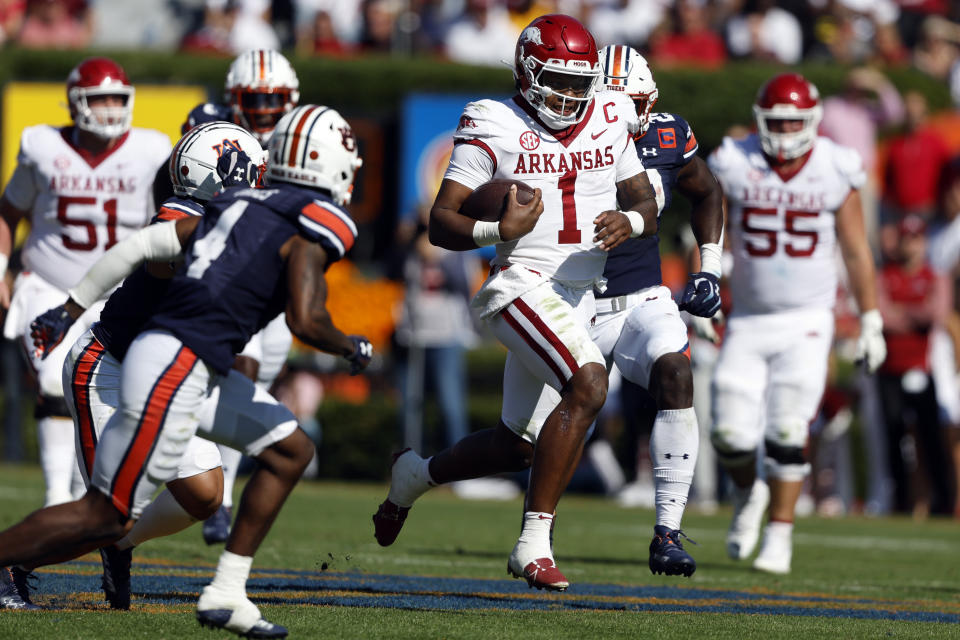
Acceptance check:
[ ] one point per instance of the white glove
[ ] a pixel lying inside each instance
(871, 347)
(705, 327)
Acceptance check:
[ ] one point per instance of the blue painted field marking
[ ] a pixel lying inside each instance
(76, 585)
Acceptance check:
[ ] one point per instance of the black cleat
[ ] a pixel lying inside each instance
(216, 528)
(218, 619)
(25, 582)
(667, 554)
(10, 597)
(116, 576)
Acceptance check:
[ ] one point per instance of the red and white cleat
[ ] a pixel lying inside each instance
(541, 573)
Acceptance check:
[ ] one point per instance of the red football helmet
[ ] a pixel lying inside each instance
(100, 77)
(788, 96)
(556, 53)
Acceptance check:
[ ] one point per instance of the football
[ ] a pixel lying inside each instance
(488, 201)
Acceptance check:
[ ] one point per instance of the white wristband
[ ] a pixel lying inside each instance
(156, 242)
(486, 233)
(4, 261)
(636, 223)
(710, 258)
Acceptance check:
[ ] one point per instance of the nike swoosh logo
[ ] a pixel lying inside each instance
(594, 136)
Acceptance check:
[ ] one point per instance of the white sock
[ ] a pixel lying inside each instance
(536, 532)
(231, 463)
(58, 458)
(162, 517)
(413, 483)
(232, 573)
(780, 529)
(673, 451)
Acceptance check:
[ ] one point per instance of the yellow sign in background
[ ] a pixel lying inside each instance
(162, 107)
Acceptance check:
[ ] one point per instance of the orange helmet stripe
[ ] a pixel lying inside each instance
(295, 142)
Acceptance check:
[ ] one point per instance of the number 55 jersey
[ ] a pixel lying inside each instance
(783, 229)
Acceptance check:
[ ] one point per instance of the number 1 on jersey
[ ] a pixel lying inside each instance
(569, 234)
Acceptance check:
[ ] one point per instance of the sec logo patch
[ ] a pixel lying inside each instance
(529, 140)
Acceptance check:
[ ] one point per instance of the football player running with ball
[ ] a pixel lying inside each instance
(253, 254)
(571, 143)
(792, 198)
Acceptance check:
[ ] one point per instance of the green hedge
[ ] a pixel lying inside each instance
(710, 100)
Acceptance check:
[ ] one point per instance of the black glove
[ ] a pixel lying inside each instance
(362, 353)
(236, 169)
(48, 329)
(701, 297)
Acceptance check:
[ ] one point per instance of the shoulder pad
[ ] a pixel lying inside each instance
(848, 162)
(176, 208)
(624, 108)
(323, 222)
(726, 155)
(478, 118)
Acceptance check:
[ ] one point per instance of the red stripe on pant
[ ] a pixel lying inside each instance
(547, 333)
(148, 430)
(80, 383)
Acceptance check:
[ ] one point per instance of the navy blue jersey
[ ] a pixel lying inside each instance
(666, 148)
(233, 281)
(130, 306)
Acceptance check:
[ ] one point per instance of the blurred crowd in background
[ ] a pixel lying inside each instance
(921, 33)
(909, 413)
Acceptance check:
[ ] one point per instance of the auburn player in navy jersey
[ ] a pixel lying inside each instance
(253, 254)
(260, 87)
(203, 162)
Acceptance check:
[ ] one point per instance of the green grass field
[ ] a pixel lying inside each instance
(321, 574)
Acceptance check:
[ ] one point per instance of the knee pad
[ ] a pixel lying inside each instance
(785, 458)
(51, 407)
(734, 449)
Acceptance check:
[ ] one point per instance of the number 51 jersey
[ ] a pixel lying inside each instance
(783, 232)
(577, 170)
(81, 204)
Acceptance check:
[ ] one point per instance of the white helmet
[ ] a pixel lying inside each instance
(624, 69)
(193, 163)
(261, 86)
(313, 146)
(100, 77)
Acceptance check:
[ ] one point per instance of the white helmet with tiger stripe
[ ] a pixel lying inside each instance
(313, 146)
(624, 69)
(261, 86)
(193, 162)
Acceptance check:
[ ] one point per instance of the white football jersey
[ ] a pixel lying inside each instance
(577, 170)
(783, 233)
(80, 205)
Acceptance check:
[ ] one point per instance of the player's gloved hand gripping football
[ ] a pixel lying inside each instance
(236, 169)
(49, 328)
(361, 356)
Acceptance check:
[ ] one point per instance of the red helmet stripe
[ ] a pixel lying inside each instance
(295, 141)
(262, 65)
